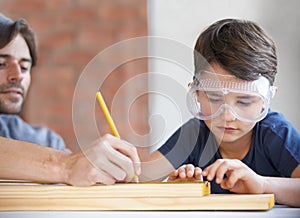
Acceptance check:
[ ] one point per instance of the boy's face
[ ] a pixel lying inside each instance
(15, 66)
(227, 127)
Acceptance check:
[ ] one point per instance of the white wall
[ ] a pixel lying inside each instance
(182, 21)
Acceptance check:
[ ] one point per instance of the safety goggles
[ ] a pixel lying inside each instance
(214, 94)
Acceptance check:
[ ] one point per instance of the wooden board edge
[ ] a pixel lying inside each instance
(213, 202)
(120, 190)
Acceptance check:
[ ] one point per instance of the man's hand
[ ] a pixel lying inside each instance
(106, 161)
(186, 173)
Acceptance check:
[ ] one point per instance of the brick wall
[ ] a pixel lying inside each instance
(70, 33)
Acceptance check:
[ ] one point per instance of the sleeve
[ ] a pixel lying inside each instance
(283, 146)
(46, 137)
(56, 141)
(16, 128)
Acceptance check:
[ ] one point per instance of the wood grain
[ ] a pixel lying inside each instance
(129, 196)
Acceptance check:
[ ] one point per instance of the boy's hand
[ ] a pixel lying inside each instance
(186, 173)
(239, 177)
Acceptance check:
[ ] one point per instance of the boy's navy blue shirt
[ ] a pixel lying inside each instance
(12, 126)
(275, 148)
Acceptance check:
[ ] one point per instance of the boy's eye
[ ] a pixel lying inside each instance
(215, 100)
(244, 103)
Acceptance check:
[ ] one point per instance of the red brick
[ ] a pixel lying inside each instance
(20, 7)
(80, 15)
(56, 40)
(95, 37)
(76, 58)
(55, 4)
(70, 34)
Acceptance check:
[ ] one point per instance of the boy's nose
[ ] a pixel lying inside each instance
(228, 115)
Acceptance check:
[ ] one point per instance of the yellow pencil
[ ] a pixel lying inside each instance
(110, 122)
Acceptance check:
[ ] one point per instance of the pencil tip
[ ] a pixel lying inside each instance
(136, 178)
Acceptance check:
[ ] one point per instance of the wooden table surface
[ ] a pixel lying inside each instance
(275, 212)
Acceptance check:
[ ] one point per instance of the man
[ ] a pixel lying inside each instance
(18, 55)
(36, 153)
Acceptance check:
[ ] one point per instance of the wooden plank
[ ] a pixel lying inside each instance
(141, 196)
(119, 190)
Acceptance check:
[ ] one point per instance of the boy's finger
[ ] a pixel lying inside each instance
(211, 170)
(190, 170)
(174, 174)
(182, 172)
(222, 170)
(198, 174)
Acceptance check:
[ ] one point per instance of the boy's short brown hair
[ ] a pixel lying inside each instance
(240, 47)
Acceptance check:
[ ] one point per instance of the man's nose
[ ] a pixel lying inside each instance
(14, 73)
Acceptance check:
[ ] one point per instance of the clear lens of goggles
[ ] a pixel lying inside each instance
(247, 101)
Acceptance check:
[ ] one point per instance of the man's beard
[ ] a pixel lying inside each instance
(11, 106)
(8, 109)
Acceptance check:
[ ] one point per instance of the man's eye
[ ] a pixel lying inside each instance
(24, 68)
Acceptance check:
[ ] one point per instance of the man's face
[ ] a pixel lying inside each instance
(15, 66)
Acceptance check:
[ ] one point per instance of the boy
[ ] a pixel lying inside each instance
(241, 145)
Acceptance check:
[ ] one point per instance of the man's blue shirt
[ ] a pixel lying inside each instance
(12, 126)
